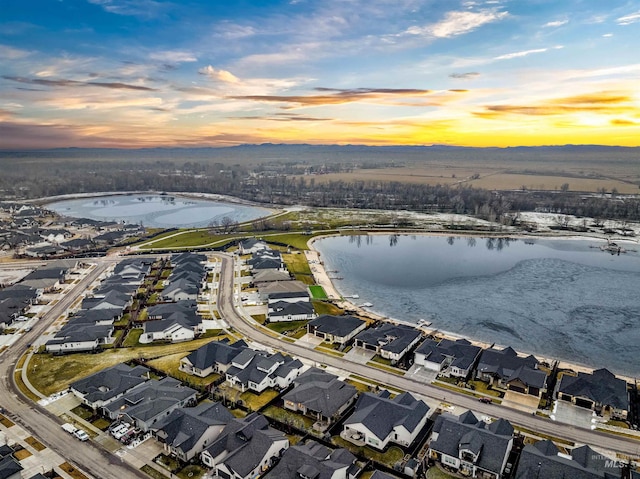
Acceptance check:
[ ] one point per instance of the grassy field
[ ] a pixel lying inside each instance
(50, 374)
(390, 457)
(170, 365)
(317, 292)
(282, 326)
(189, 238)
(323, 307)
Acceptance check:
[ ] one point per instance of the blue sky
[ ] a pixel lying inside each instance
(139, 73)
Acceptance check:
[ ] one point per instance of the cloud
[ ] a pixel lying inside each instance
(620, 122)
(335, 96)
(598, 102)
(10, 53)
(629, 19)
(458, 23)
(557, 23)
(219, 75)
(464, 76)
(134, 8)
(173, 56)
(75, 83)
(524, 53)
(607, 35)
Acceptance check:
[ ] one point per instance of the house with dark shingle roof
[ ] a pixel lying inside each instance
(286, 311)
(155, 399)
(252, 245)
(525, 380)
(312, 460)
(10, 468)
(470, 446)
(186, 432)
(258, 370)
(496, 366)
(378, 420)
(389, 340)
(544, 460)
(336, 329)
(289, 286)
(320, 395)
(448, 357)
(99, 389)
(177, 327)
(600, 391)
(245, 448)
(213, 357)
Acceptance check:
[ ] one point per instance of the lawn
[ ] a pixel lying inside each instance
(323, 307)
(437, 473)
(317, 292)
(132, 338)
(296, 240)
(34, 443)
(297, 264)
(170, 365)
(255, 401)
(392, 455)
(50, 374)
(153, 473)
(72, 471)
(289, 417)
(282, 326)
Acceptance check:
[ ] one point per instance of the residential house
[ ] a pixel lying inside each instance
(181, 290)
(10, 468)
(213, 357)
(165, 310)
(389, 340)
(448, 357)
(145, 405)
(379, 420)
(312, 460)
(320, 395)
(180, 326)
(258, 370)
(599, 391)
(78, 336)
(288, 286)
(470, 446)
(544, 460)
(186, 432)
(252, 245)
(284, 311)
(336, 329)
(78, 245)
(525, 380)
(270, 275)
(103, 387)
(496, 366)
(246, 448)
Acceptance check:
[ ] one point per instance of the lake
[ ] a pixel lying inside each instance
(157, 211)
(560, 299)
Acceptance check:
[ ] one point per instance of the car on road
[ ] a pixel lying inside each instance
(82, 435)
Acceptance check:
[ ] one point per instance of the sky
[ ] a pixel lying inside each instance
(187, 73)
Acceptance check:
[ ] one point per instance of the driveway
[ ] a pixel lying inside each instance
(360, 355)
(569, 414)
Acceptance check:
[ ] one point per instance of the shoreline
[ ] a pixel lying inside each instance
(322, 278)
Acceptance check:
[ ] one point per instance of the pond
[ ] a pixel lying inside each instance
(157, 211)
(560, 299)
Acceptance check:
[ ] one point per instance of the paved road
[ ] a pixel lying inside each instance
(572, 433)
(89, 456)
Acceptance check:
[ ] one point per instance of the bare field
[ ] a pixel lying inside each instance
(501, 176)
(507, 181)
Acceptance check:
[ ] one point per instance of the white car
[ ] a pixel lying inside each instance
(120, 430)
(82, 435)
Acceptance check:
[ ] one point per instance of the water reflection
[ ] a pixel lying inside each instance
(491, 243)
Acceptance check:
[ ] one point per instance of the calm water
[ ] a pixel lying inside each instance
(561, 299)
(156, 211)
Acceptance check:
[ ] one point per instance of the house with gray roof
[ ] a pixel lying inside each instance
(471, 446)
(79, 336)
(280, 311)
(269, 275)
(336, 329)
(378, 420)
(150, 402)
(447, 357)
(164, 310)
(496, 366)
(600, 391)
(544, 460)
(245, 448)
(526, 380)
(312, 460)
(177, 327)
(186, 432)
(258, 370)
(10, 468)
(252, 245)
(213, 357)
(103, 387)
(289, 286)
(391, 341)
(181, 290)
(320, 395)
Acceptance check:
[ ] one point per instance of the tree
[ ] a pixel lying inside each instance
(565, 187)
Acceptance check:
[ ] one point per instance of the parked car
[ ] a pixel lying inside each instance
(486, 400)
(82, 435)
(70, 428)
